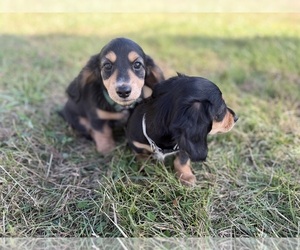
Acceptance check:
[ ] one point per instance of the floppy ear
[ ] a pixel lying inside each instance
(90, 73)
(73, 90)
(195, 147)
(153, 73)
(192, 127)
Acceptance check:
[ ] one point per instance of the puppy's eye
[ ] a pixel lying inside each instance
(107, 66)
(137, 65)
(219, 117)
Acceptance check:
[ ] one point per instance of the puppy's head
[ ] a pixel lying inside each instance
(201, 111)
(124, 68)
(224, 119)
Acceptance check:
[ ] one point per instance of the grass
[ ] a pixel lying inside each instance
(55, 184)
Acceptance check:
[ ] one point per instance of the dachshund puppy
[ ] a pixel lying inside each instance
(176, 119)
(107, 86)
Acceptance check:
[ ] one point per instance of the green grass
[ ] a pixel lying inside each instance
(53, 183)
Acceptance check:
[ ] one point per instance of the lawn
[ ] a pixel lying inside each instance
(55, 184)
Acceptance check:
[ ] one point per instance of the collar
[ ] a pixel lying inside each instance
(159, 153)
(117, 107)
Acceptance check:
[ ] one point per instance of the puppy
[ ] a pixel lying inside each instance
(111, 82)
(176, 119)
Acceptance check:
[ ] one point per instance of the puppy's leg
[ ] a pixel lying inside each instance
(77, 122)
(103, 138)
(182, 165)
(142, 151)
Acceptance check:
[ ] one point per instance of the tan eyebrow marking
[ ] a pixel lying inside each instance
(132, 56)
(111, 56)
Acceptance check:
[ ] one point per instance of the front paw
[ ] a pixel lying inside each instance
(187, 179)
(105, 148)
(105, 143)
(184, 172)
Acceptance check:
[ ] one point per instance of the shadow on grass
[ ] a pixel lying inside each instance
(262, 66)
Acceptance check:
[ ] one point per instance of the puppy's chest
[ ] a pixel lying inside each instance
(165, 142)
(160, 152)
(161, 144)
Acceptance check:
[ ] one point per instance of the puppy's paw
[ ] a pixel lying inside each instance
(105, 149)
(105, 143)
(187, 179)
(184, 172)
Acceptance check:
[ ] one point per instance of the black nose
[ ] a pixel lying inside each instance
(235, 118)
(123, 91)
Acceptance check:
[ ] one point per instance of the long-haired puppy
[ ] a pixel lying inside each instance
(176, 119)
(111, 82)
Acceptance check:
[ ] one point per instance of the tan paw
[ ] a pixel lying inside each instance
(105, 149)
(187, 179)
(105, 143)
(184, 172)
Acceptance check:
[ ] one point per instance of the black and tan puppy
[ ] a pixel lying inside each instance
(176, 119)
(111, 82)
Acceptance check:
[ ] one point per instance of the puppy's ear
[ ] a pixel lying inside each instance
(192, 126)
(73, 90)
(196, 147)
(89, 74)
(153, 73)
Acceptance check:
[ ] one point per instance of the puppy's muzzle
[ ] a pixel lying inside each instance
(123, 91)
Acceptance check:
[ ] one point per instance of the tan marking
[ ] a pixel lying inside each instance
(111, 81)
(136, 88)
(184, 172)
(110, 85)
(85, 123)
(132, 56)
(158, 74)
(154, 76)
(223, 126)
(136, 84)
(105, 115)
(87, 76)
(142, 146)
(104, 140)
(111, 56)
(147, 91)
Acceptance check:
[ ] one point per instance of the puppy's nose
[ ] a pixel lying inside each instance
(123, 91)
(235, 118)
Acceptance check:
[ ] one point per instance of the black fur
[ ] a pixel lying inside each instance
(87, 92)
(180, 111)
